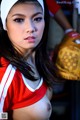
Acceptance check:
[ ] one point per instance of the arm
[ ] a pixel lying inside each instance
(58, 14)
(62, 20)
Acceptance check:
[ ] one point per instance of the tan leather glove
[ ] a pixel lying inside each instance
(68, 57)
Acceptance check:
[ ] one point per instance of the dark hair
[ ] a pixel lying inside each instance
(44, 66)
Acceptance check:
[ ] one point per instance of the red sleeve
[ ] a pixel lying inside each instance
(52, 6)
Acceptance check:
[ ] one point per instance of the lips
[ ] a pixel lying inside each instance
(30, 39)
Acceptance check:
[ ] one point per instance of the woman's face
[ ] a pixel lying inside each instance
(25, 26)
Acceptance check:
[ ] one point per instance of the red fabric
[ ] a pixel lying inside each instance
(73, 34)
(18, 95)
(52, 6)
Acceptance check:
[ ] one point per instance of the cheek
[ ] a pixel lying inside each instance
(13, 35)
(13, 32)
(12, 28)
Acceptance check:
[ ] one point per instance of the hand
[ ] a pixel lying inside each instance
(73, 34)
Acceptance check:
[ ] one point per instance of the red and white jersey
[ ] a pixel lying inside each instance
(14, 90)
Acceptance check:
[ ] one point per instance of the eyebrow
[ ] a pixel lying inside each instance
(20, 14)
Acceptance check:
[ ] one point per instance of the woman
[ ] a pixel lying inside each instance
(26, 73)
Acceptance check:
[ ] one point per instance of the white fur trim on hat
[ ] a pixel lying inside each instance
(6, 5)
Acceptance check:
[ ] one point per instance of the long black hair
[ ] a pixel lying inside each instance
(45, 68)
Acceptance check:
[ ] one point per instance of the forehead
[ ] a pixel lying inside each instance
(27, 5)
(28, 9)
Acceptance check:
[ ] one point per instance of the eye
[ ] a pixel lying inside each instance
(19, 20)
(38, 19)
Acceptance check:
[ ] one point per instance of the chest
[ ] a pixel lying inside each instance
(40, 110)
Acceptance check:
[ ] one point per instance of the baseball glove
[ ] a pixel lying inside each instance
(68, 57)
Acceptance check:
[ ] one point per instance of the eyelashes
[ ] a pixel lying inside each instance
(18, 20)
(21, 20)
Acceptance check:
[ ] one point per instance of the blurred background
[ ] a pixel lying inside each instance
(66, 95)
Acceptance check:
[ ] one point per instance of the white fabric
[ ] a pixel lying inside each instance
(6, 5)
(68, 30)
(29, 87)
(6, 81)
(77, 5)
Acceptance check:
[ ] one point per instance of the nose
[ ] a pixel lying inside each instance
(30, 27)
